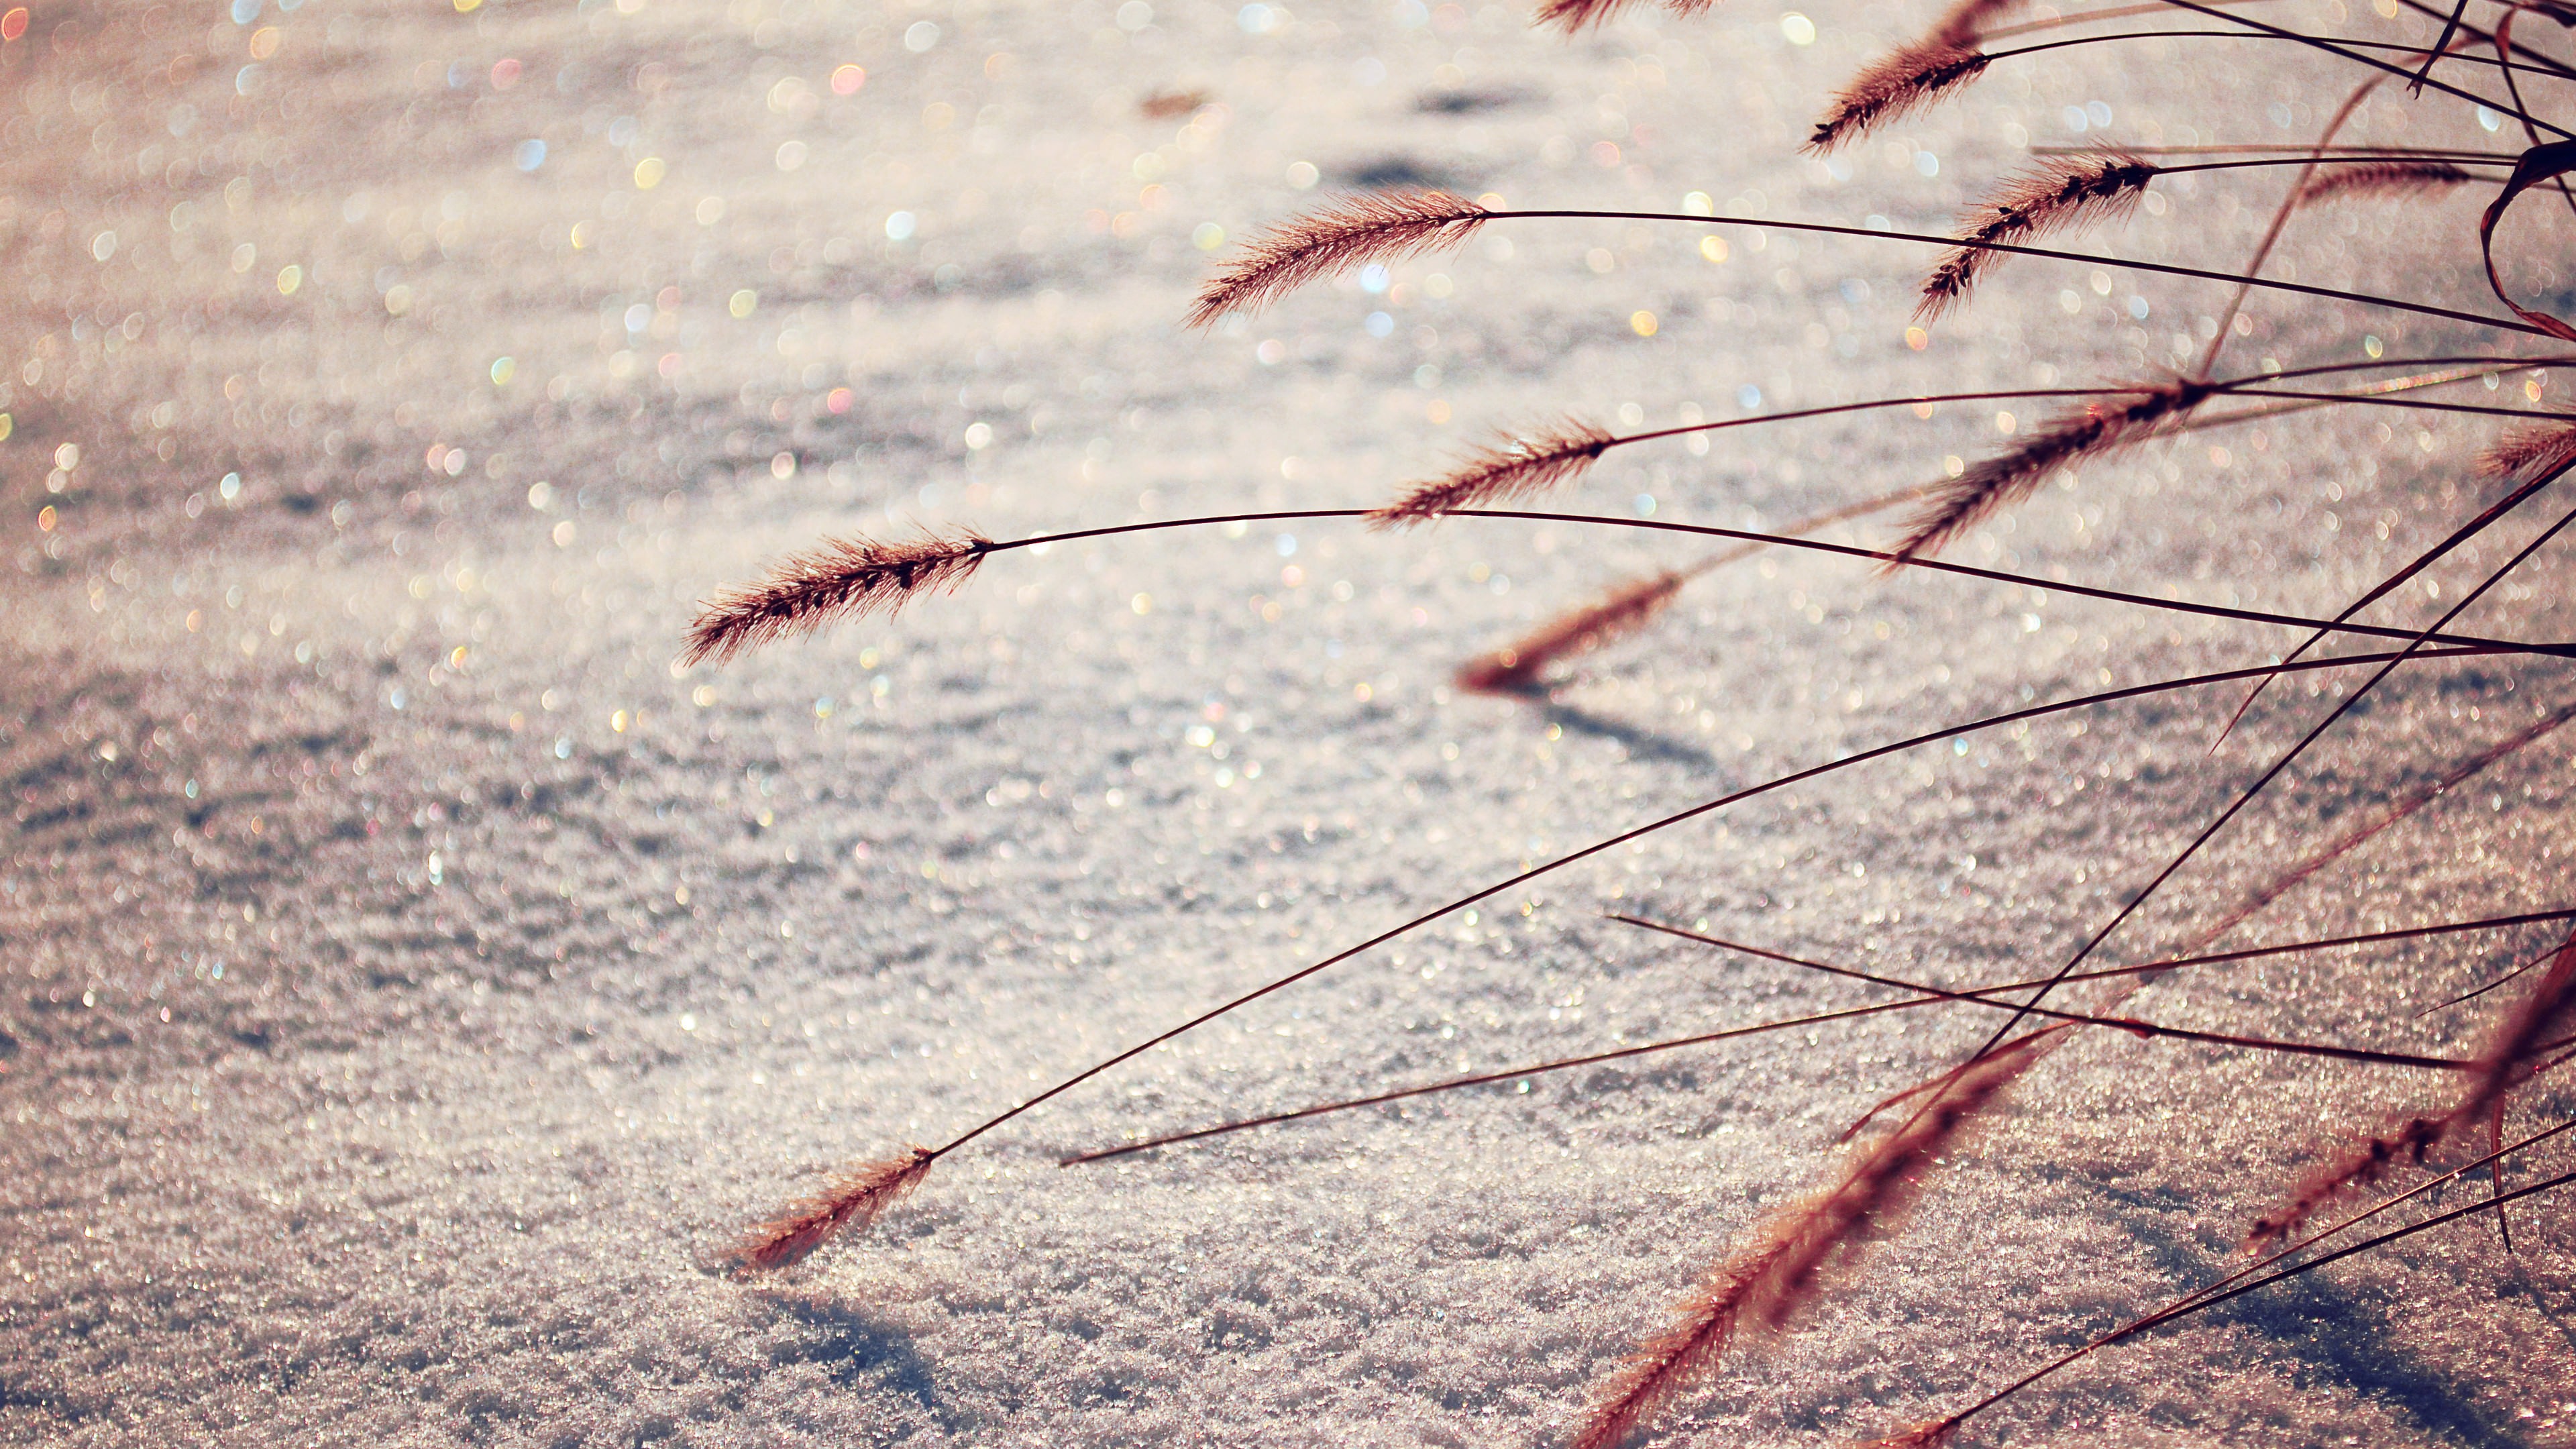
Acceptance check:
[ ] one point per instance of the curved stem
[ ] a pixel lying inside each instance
(2355, 42)
(1838, 550)
(2211, 1295)
(1613, 842)
(2508, 324)
(2247, 796)
(2330, 48)
(2280, 219)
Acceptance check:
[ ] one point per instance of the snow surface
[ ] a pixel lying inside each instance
(412, 980)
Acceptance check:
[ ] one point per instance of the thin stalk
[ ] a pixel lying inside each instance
(2248, 795)
(2357, 43)
(2235, 1284)
(2364, 299)
(2256, 148)
(1596, 848)
(1810, 545)
(1931, 997)
(2330, 48)
(2280, 219)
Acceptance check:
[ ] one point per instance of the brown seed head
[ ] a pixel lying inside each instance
(2356, 1167)
(1906, 81)
(2531, 450)
(1767, 1281)
(1964, 21)
(2049, 198)
(2383, 179)
(2005, 479)
(1935, 1435)
(1515, 669)
(1383, 227)
(1512, 468)
(844, 579)
(1571, 16)
(851, 1202)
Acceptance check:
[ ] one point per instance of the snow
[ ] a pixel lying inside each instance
(410, 981)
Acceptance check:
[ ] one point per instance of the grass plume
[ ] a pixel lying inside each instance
(1572, 16)
(1516, 667)
(1762, 1284)
(2057, 194)
(850, 1203)
(2384, 180)
(843, 579)
(1384, 226)
(1500, 472)
(2531, 451)
(1998, 482)
(1960, 26)
(1897, 86)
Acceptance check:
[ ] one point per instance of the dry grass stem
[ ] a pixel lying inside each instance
(1902, 83)
(2387, 180)
(843, 579)
(2050, 198)
(1516, 667)
(1513, 468)
(2010, 476)
(851, 1202)
(1383, 227)
(1768, 1281)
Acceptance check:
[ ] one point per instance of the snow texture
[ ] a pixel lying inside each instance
(409, 983)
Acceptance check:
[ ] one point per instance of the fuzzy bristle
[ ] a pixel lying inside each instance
(851, 1202)
(1963, 22)
(1904, 82)
(1766, 1282)
(1935, 1435)
(2008, 477)
(2528, 452)
(1571, 16)
(2050, 198)
(843, 579)
(2357, 1167)
(2383, 180)
(1384, 227)
(1516, 668)
(1513, 468)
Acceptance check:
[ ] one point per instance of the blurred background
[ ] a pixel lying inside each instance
(410, 978)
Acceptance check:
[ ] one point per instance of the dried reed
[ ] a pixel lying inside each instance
(1965, 21)
(1770, 1278)
(2385, 180)
(2533, 451)
(1776, 1271)
(850, 1203)
(844, 579)
(1385, 226)
(2010, 476)
(1498, 473)
(1572, 16)
(2052, 197)
(1516, 668)
(1530, 1070)
(1897, 86)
